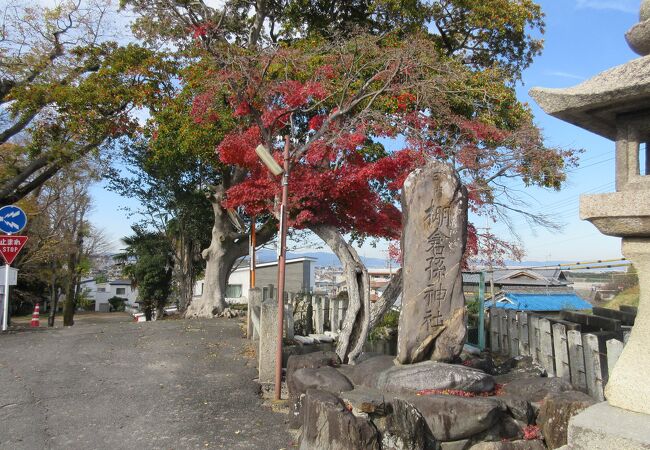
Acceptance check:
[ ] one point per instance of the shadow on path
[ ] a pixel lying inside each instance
(172, 384)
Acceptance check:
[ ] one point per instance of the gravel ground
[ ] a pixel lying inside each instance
(172, 384)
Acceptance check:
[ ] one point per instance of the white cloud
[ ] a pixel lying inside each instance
(565, 75)
(629, 6)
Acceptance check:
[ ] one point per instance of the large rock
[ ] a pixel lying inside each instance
(509, 445)
(519, 408)
(324, 378)
(367, 400)
(309, 361)
(451, 418)
(431, 324)
(517, 368)
(367, 373)
(557, 408)
(535, 389)
(434, 375)
(404, 428)
(484, 363)
(327, 424)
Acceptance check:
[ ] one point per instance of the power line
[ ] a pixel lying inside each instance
(580, 263)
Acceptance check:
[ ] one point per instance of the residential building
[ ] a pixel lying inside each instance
(379, 279)
(103, 291)
(542, 302)
(517, 280)
(299, 277)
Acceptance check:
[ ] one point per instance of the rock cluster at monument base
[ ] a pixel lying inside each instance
(427, 405)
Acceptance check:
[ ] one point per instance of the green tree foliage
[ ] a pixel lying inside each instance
(65, 90)
(171, 168)
(482, 33)
(148, 262)
(117, 303)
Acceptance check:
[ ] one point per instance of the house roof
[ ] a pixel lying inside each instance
(540, 302)
(120, 282)
(383, 271)
(519, 277)
(245, 263)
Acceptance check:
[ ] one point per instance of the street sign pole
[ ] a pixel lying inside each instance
(5, 303)
(12, 221)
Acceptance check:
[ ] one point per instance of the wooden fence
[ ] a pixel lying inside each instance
(559, 345)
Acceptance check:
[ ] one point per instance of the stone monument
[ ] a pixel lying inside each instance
(432, 322)
(616, 104)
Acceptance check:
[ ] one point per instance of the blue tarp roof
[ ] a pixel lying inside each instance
(542, 302)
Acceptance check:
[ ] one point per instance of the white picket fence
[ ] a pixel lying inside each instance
(583, 359)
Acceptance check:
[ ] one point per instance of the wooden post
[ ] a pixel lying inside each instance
(561, 351)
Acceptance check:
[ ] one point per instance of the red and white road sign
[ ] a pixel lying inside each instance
(10, 246)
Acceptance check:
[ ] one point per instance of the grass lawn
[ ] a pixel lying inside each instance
(628, 297)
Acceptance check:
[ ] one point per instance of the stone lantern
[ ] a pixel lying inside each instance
(616, 105)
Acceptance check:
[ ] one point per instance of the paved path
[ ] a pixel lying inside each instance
(166, 385)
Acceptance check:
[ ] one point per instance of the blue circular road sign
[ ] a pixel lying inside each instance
(12, 219)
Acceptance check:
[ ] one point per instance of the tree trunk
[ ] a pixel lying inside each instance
(70, 301)
(54, 297)
(184, 268)
(148, 313)
(354, 331)
(160, 311)
(362, 315)
(220, 257)
(387, 299)
(74, 275)
(226, 247)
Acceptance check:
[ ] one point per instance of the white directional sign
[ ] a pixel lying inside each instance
(13, 276)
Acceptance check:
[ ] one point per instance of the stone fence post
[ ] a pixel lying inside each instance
(254, 302)
(309, 319)
(268, 340)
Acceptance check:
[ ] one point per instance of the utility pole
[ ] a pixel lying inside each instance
(282, 260)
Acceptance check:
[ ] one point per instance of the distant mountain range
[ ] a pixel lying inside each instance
(323, 258)
(329, 259)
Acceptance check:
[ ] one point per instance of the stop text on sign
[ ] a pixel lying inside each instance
(10, 246)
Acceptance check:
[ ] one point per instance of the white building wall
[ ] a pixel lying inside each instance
(240, 277)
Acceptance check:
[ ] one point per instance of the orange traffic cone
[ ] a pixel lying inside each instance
(35, 316)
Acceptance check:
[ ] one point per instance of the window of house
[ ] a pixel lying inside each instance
(101, 289)
(120, 291)
(233, 290)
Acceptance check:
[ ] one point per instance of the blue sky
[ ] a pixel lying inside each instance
(583, 38)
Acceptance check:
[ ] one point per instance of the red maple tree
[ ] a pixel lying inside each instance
(336, 102)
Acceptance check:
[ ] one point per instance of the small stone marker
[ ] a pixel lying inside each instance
(268, 340)
(432, 324)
